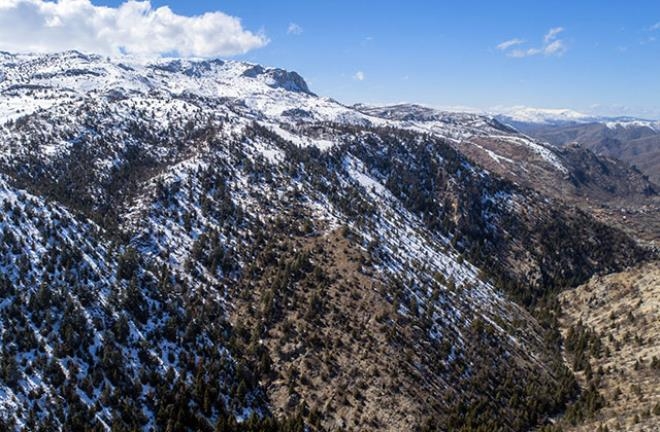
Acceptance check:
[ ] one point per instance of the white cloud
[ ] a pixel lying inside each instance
(134, 27)
(552, 34)
(359, 75)
(294, 29)
(655, 26)
(556, 48)
(510, 43)
(552, 46)
(519, 53)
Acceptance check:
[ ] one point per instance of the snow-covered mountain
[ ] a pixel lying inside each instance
(191, 244)
(544, 116)
(566, 117)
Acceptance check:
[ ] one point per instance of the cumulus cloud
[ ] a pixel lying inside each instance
(510, 43)
(294, 29)
(359, 75)
(552, 46)
(134, 27)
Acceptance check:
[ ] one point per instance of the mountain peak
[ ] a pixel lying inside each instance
(279, 78)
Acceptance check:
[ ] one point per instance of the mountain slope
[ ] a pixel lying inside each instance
(606, 188)
(612, 329)
(637, 143)
(90, 333)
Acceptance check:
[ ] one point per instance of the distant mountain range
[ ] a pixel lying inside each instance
(564, 117)
(635, 141)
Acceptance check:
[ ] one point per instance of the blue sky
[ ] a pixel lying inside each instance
(602, 56)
